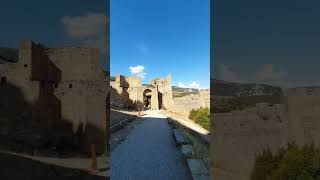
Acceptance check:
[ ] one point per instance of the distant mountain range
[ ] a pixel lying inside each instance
(225, 88)
(184, 90)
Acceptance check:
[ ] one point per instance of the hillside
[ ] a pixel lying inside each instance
(230, 96)
(8, 55)
(224, 88)
(179, 91)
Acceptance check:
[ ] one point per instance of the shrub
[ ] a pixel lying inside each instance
(292, 162)
(181, 94)
(201, 116)
(192, 114)
(240, 103)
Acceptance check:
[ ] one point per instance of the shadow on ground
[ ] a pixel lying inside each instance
(23, 130)
(16, 168)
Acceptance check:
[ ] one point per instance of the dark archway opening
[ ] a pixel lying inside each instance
(107, 147)
(3, 80)
(147, 98)
(160, 100)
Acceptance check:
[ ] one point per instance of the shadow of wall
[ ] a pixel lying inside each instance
(108, 113)
(20, 128)
(24, 131)
(41, 125)
(31, 169)
(120, 98)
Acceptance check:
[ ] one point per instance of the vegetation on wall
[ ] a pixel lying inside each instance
(9, 54)
(240, 103)
(183, 94)
(201, 116)
(292, 162)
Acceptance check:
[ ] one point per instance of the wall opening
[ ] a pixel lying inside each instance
(42, 85)
(25, 65)
(108, 121)
(70, 85)
(160, 99)
(147, 98)
(3, 80)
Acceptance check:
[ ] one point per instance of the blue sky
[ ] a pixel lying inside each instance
(54, 23)
(272, 41)
(161, 37)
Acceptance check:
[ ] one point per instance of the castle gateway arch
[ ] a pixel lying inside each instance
(147, 98)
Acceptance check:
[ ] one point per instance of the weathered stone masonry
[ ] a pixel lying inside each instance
(238, 136)
(66, 87)
(128, 92)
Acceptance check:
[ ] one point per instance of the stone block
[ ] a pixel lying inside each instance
(179, 137)
(197, 169)
(187, 151)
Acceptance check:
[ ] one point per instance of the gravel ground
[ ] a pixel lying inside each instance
(149, 152)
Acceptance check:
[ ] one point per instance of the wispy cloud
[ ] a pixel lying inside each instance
(89, 29)
(267, 74)
(138, 71)
(194, 84)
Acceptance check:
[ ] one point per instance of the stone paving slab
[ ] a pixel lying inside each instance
(179, 137)
(197, 169)
(187, 151)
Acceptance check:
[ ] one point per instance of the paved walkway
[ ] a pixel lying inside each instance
(149, 152)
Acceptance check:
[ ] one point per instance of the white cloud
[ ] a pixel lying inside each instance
(194, 85)
(269, 73)
(180, 84)
(191, 85)
(89, 29)
(138, 71)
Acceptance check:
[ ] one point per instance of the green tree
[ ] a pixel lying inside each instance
(292, 163)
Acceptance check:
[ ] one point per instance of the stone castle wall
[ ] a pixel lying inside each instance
(238, 136)
(66, 87)
(127, 92)
(76, 63)
(164, 87)
(303, 111)
(183, 105)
